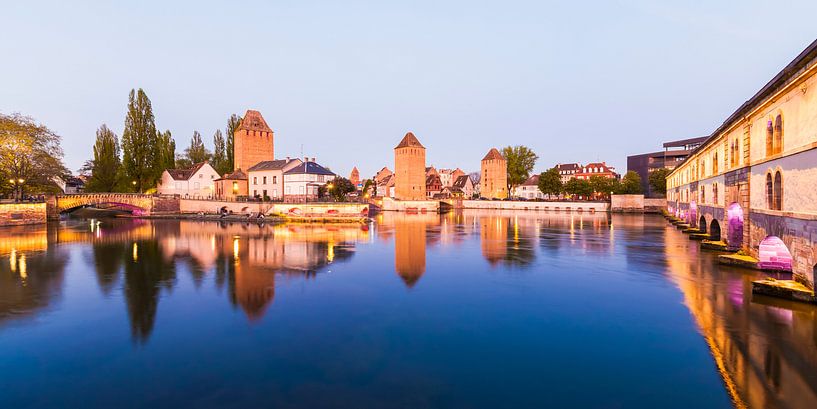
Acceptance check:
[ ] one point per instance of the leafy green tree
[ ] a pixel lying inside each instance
(340, 188)
(105, 164)
(658, 181)
(197, 152)
(219, 162)
(29, 152)
(579, 187)
(521, 161)
(603, 186)
(139, 140)
(232, 124)
(167, 151)
(550, 182)
(630, 184)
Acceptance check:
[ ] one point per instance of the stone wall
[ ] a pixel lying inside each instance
(536, 206)
(421, 206)
(627, 203)
(323, 209)
(17, 214)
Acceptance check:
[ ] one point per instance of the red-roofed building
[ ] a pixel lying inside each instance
(597, 169)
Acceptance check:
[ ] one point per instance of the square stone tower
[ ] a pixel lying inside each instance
(410, 169)
(494, 176)
(253, 141)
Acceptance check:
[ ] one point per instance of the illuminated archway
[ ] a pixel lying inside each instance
(774, 255)
(692, 216)
(734, 220)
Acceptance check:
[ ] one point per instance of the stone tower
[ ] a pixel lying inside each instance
(410, 169)
(494, 176)
(254, 141)
(354, 177)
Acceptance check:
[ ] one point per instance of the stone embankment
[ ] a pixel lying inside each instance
(17, 214)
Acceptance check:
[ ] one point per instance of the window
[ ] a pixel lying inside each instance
(703, 195)
(255, 180)
(778, 135)
(265, 180)
(274, 180)
(769, 191)
(715, 193)
(769, 138)
(715, 163)
(778, 191)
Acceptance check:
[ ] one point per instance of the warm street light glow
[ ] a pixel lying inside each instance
(21, 180)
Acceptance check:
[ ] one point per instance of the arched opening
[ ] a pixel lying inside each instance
(702, 224)
(714, 230)
(778, 191)
(769, 138)
(778, 134)
(734, 220)
(774, 255)
(692, 216)
(769, 191)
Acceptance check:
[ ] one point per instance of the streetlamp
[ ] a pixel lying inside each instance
(17, 187)
(134, 185)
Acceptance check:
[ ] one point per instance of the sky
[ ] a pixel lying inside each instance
(343, 81)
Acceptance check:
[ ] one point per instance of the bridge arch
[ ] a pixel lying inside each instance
(136, 203)
(774, 255)
(734, 225)
(715, 230)
(702, 224)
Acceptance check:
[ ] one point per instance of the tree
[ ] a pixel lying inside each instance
(220, 154)
(630, 184)
(658, 181)
(31, 153)
(232, 124)
(520, 161)
(579, 187)
(139, 141)
(197, 152)
(603, 186)
(340, 188)
(105, 164)
(550, 182)
(167, 151)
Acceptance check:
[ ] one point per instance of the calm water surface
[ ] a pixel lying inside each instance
(464, 310)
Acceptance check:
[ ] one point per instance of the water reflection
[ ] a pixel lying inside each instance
(764, 348)
(31, 273)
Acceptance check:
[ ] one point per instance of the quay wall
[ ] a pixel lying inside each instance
(536, 206)
(18, 214)
(636, 204)
(421, 206)
(321, 209)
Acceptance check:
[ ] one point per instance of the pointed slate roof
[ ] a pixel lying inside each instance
(253, 121)
(409, 141)
(493, 154)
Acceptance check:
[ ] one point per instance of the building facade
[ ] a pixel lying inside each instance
(568, 171)
(751, 184)
(596, 169)
(231, 186)
(674, 153)
(196, 182)
(433, 185)
(449, 176)
(529, 189)
(464, 186)
(410, 169)
(266, 178)
(301, 182)
(494, 176)
(253, 141)
(354, 177)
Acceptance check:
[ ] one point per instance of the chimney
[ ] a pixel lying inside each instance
(306, 159)
(287, 158)
(313, 159)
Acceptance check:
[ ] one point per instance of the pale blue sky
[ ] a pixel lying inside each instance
(576, 81)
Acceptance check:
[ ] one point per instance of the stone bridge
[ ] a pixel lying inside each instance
(137, 203)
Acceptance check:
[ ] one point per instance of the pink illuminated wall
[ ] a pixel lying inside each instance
(734, 220)
(774, 255)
